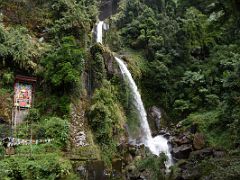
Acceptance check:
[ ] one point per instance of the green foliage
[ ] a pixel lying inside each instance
(7, 78)
(105, 114)
(63, 66)
(57, 129)
(33, 115)
(2, 151)
(18, 48)
(155, 166)
(106, 119)
(224, 168)
(53, 128)
(43, 166)
(53, 104)
(98, 70)
(73, 18)
(195, 26)
(208, 123)
(37, 149)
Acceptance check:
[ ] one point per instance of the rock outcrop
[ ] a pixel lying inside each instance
(155, 116)
(78, 136)
(182, 152)
(198, 141)
(108, 8)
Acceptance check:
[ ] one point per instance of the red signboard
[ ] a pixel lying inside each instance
(23, 95)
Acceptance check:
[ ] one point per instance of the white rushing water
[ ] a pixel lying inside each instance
(156, 144)
(99, 32)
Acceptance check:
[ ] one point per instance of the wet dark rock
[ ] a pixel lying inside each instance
(167, 135)
(110, 63)
(201, 154)
(182, 140)
(193, 128)
(2, 121)
(96, 170)
(108, 8)
(162, 132)
(182, 152)
(127, 158)
(198, 141)
(218, 154)
(194, 174)
(155, 116)
(117, 165)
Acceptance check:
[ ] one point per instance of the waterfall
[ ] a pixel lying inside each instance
(99, 32)
(156, 144)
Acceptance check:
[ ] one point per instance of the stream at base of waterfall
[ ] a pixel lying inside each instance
(158, 143)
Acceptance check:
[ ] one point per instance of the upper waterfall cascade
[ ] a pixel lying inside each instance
(156, 144)
(99, 32)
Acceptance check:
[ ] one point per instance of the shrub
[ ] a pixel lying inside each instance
(57, 129)
(63, 66)
(43, 166)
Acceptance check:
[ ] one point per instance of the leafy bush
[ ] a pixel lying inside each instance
(43, 166)
(154, 165)
(57, 129)
(53, 128)
(8, 78)
(17, 47)
(50, 104)
(33, 115)
(63, 66)
(105, 114)
(73, 17)
(106, 119)
(224, 168)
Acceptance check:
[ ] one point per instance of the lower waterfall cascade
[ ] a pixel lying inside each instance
(155, 144)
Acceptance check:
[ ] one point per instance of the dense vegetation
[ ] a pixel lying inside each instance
(184, 56)
(192, 59)
(192, 62)
(45, 39)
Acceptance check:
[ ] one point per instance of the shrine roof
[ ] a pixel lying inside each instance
(25, 78)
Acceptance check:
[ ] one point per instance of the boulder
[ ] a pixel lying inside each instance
(182, 152)
(117, 167)
(201, 154)
(95, 170)
(108, 8)
(198, 141)
(183, 139)
(110, 63)
(127, 158)
(155, 115)
(218, 154)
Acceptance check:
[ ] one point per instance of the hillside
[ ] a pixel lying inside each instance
(150, 93)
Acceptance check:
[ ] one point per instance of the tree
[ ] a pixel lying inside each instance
(63, 66)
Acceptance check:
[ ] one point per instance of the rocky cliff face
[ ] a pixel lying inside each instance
(108, 8)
